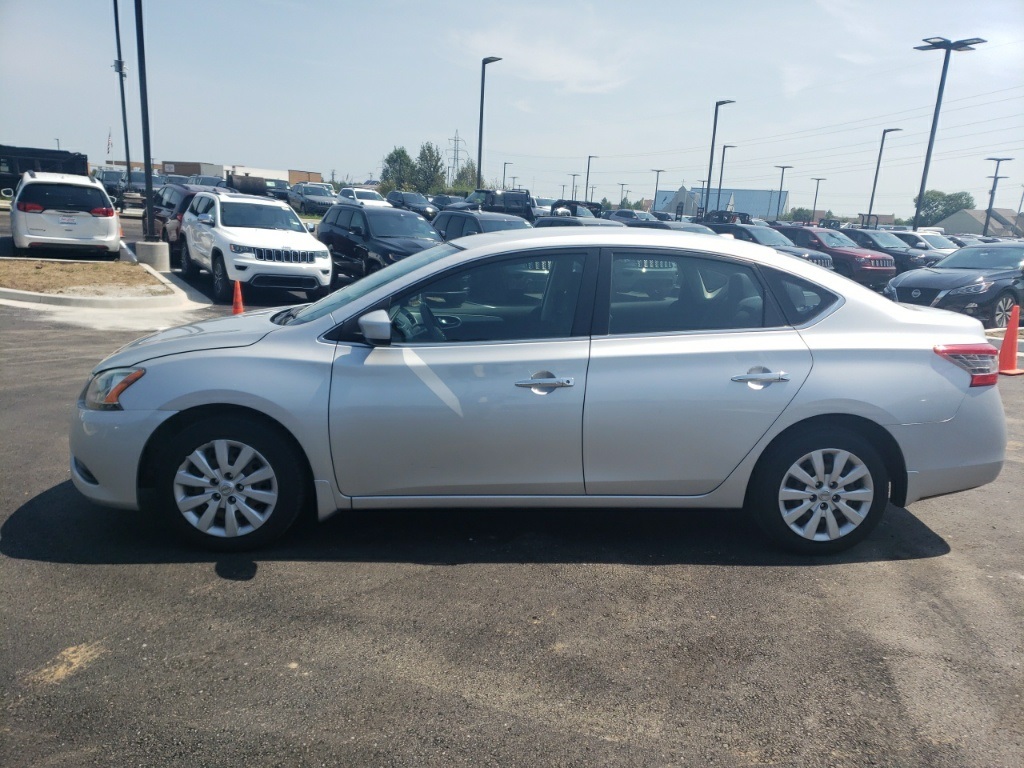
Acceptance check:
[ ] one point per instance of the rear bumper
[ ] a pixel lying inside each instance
(110, 243)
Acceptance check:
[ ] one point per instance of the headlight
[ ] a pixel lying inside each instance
(972, 288)
(861, 259)
(103, 392)
(323, 255)
(240, 248)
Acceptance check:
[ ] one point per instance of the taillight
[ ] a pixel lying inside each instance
(179, 217)
(979, 360)
(30, 207)
(103, 212)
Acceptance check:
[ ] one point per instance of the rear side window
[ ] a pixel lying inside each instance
(801, 301)
(331, 216)
(64, 197)
(455, 227)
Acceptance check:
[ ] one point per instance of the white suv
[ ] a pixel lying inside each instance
(60, 210)
(359, 196)
(254, 240)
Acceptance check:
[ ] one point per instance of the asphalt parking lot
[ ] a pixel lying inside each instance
(519, 638)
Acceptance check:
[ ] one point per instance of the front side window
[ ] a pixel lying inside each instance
(507, 299)
(665, 293)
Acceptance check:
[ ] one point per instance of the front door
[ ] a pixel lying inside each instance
(481, 391)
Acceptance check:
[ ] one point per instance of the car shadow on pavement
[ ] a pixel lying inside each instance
(60, 526)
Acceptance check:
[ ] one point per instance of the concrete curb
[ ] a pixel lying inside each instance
(177, 299)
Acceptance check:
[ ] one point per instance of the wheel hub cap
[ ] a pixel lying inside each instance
(826, 515)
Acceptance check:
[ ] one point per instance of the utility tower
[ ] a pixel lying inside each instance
(454, 153)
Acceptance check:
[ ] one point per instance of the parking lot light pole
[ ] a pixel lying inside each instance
(503, 169)
(814, 207)
(144, 102)
(574, 175)
(778, 205)
(121, 75)
(992, 195)
(938, 44)
(622, 194)
(58, 144)
(721, 170)
(480, 134)
(657, 177)
(586, 183)
(711, 156)
(514, 182)
(878, 165)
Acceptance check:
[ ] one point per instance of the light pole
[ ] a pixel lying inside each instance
(938, 44)
(586, 183)
(622, 193)
(1021, 203)
(121, 75)
(563, 191)
(878, 165)
(814, 208)
(480, 134)
(778, 205)
(593, 188)
(711, 156)
(147, 157)
(58, 144)
(574, 175)
(657, 177)
(514, 181)
(721, 170)
(992, 195)
(503, 169)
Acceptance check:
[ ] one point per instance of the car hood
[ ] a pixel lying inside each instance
(932, 277)
(404, 246)
(274, 238)
(796, 250)
(220, 333)
(867, 252)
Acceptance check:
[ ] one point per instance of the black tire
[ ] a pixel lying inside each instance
(302, 208)
(189, 269)
(999, 317)
(213, 513)
(222, 288)
(836, 517)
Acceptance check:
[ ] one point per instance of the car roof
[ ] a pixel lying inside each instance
(491, 215)
(238, 197)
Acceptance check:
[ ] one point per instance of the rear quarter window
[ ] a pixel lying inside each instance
(801, 301)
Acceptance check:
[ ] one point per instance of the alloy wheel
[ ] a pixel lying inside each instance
(1001, 311)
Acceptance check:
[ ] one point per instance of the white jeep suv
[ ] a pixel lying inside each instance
(254, 240)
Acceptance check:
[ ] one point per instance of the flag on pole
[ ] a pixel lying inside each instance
(110, 140)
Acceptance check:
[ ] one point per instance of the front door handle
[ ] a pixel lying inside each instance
(767, 377)
(553, 382)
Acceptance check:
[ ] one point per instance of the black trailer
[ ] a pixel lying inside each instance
(14, 161)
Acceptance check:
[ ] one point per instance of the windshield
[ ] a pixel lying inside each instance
(937, 241)
(415, 198)
(110, 176)
(367, 194)
(547, 202)
(887, 240)
(371, 282)
(257, 216)
(645, 216)
(316, 191)
(277, 183)
(476, 197)
(984, 257)
(495, 225)
(768, 236)
(392, 223)
(836, 240)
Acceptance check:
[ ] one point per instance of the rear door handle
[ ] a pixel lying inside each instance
(767, 377)
(556, 381)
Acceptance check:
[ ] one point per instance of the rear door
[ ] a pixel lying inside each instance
(690, 366)
(66, 210)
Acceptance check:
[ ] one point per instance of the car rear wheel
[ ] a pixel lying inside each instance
(1001, 310)
(189, 269)
(229, 483)
(221, 283)
(822, 491)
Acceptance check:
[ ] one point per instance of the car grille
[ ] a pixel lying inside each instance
(286, 257)
(881, 263)
(821, 261)
(925, 296)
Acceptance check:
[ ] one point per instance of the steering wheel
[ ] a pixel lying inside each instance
(405, 324)
(430, 323)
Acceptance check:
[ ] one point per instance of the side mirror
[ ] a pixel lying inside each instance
(205, 218)
(310, 226)
(358, 231)
(376, 327)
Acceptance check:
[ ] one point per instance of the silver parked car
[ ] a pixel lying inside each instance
(569, 367)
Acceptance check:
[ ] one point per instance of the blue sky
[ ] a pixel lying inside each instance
(328, 86)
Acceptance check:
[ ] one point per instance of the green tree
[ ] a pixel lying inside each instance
(606, 204)
(465, 179)
(938, 205)
(428, 173)
(798, 214)
(397, 170)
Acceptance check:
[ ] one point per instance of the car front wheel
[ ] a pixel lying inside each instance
(189, 269)
(820, 492)
(229, 483)
(221, 284)
(1001, 310)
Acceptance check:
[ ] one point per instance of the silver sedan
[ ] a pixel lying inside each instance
(582, 368)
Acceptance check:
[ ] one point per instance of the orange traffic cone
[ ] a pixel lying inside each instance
(1008, 349)
(236, 305)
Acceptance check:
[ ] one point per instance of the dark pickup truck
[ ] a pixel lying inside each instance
(514, 201)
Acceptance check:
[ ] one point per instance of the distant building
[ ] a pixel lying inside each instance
(1005, 222)
(760, 203)
(295, 177)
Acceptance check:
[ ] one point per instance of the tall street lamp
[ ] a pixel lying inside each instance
(586, 184)
(778, 205)
(817, 183)
(721, 170)
(874, 184)
(121, 75)
(657, 176)
(514, 181)
(992, 195)
(147, 157)
(938, 44)
(58, 144)
(622, 193)
(711, 156)
(574, 175)
(480, 134)
(503, 169)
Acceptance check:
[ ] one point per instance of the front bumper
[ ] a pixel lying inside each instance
(246, 268)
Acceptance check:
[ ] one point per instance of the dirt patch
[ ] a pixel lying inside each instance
(107, 278)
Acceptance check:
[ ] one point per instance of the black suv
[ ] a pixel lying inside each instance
(169, 205)
(906, 258)
(413, 201)
(515, 201)
(773, 239)
(453, 224)
(362, 239)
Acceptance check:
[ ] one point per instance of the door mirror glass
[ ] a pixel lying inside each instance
(376, 327)
(205, 218)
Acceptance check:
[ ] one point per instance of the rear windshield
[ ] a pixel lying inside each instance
(257, 216)
(496, 225)
(367, 194)
(836, 240)
(392, 223)
(64, 197)
(937, 241)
